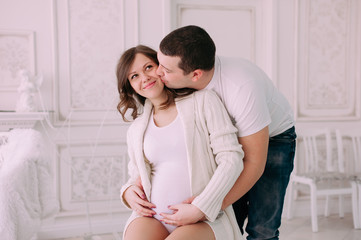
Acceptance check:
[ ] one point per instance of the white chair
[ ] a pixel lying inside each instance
(349, 145)
(322, 171)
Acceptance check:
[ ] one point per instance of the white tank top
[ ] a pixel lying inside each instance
(165, 148)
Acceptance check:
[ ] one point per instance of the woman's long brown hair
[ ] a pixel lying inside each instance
(129, 99)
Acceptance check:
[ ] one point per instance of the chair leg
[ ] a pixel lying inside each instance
(359, 204)
(341, 206)
(290, 200)
(313, 195)
(327, 206)
(355, 208)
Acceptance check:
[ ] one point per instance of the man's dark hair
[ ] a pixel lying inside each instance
(193, 45)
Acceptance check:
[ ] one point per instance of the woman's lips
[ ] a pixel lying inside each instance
(150, 85)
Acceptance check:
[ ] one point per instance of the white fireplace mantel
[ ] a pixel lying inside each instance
(10, 120)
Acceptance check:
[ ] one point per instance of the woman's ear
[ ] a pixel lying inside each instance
(197, 74)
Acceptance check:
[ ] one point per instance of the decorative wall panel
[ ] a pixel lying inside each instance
(104, 174)
(246, 28)
(16, 52)
(93, 174)
(89, 45)
(240, 41)
(327, 79)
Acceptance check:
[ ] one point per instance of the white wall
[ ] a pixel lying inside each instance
(311, 49)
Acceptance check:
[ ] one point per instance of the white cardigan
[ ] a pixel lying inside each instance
(215, 158)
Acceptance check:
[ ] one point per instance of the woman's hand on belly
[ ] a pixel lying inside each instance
(183, 214)
(136, 199)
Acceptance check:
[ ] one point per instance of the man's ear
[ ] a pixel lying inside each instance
(197, 74)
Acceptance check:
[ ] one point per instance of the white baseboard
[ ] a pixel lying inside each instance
(79, 226)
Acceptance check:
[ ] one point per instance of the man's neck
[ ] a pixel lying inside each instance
(205, 79)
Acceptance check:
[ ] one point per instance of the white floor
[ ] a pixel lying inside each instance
(330, 228)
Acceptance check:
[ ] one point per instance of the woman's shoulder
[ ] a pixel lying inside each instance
(206, 94)
(196, 95)
(133, 127)
(142, 118)
(202, 92)
(199, 97)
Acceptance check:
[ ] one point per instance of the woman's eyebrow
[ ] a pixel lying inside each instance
(145, 65)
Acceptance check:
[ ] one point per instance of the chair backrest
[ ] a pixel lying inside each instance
(316, 149)
(349, 148)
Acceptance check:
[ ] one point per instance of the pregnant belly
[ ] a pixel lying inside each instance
(169, 186)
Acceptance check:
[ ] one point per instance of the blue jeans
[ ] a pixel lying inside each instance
(263, 203)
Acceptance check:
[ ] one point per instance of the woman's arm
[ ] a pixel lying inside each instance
(132, 193)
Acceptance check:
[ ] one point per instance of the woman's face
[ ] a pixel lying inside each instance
(143, 78)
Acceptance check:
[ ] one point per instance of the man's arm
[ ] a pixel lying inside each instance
(255, 149)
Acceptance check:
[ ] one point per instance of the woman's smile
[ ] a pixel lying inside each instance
(150, 85)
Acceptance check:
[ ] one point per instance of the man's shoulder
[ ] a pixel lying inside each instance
(236, 72)
(238, 65)
(237, 61)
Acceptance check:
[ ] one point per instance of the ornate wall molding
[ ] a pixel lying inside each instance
(10, 120)
(17, 52)
(328, 70)
(251, 32)
(91, 173)
(247, 13)
(90, 38)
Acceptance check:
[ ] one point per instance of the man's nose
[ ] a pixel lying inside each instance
(159, 71)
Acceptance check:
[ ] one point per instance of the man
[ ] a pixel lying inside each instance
(261, 113)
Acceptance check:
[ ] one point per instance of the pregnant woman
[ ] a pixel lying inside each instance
(181, 144)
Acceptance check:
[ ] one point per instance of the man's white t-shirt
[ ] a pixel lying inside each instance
(250, 97)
